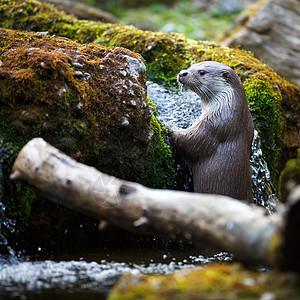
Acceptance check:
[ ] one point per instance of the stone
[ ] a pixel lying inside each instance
(271, 30)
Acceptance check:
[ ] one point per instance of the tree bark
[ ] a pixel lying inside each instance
(225, 223)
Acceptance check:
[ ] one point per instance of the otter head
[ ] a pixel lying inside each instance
(210, 79)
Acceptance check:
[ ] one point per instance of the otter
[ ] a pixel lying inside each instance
(218, 145)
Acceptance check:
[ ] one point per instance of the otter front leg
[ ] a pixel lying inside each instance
(178, 135)
(173, 129)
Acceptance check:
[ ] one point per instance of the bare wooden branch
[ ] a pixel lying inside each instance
(225, 223)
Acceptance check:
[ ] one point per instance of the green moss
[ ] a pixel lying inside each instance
(216, 281)
(17, 198)
(264, 102)
(165, 55)
(162, 158)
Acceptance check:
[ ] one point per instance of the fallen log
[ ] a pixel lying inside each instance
(225, 223)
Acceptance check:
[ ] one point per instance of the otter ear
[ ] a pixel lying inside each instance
(225, 74)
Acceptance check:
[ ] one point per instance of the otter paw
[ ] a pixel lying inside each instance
(171, 126)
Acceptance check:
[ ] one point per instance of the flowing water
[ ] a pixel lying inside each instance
(90, 273)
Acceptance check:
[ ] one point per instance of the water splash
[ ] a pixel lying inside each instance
(22, 277)
(263, 189)
(181, 87)
(184, 107)
(5, 223)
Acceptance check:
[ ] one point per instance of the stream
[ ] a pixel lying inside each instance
(90, 273)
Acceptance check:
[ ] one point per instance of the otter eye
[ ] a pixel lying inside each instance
(202, 72)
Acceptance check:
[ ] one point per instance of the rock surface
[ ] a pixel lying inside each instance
(272, 33)
(84, 11)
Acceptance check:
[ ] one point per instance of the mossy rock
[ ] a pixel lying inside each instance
(274, 102)
(215, 281)
(89, 101)
(289, 177)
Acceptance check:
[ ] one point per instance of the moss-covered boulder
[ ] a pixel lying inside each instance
(289, 177)
(216, 281)
(90, 101)
(275, 103)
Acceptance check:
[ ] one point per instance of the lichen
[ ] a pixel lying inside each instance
(216, 281)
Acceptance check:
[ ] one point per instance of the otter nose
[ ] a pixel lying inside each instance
(183, 73)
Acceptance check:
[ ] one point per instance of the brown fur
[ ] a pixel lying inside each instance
(218, 145)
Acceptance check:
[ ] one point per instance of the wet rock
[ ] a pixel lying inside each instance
(77, 65)
(78, 74)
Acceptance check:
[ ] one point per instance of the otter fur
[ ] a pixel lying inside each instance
(218, 145)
